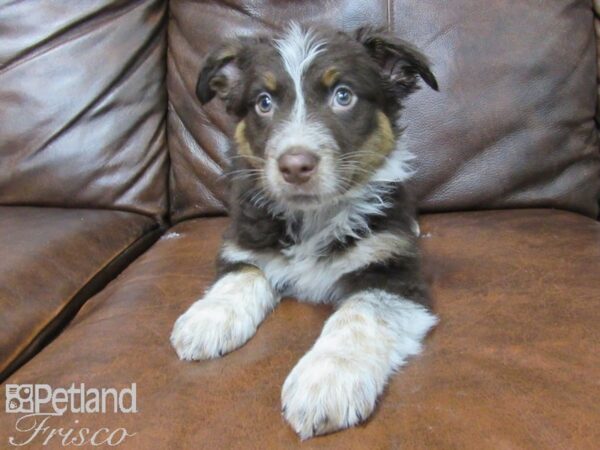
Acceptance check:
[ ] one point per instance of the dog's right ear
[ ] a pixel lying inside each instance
(401, 64)
(221, 72)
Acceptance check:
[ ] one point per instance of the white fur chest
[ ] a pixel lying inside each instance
(306, 269)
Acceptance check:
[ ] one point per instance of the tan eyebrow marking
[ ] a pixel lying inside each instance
(227, 52)
(270, 81)
(330, 76)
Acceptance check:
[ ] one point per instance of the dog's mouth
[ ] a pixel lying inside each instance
(304, 199)
(293, 198)
(298, 197)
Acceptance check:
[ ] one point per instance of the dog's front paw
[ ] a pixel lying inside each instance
(211, 329)
(226, 318)
(325, 393)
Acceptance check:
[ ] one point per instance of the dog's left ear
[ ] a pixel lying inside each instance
(220, 73)
(400, 62)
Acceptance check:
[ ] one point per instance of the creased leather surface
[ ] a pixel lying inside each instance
(511, 365)
(83, 105)
(513, 125)
(48, 255)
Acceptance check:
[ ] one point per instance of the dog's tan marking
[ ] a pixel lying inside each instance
(270, 81)
(382, 246)
(243, 146)
(229, 51)
(376, 148)
(249, 268)
(330, 76)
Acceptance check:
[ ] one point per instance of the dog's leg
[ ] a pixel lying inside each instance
(336, 384)
(226, 317)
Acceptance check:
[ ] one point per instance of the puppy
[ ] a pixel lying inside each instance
(318, 211)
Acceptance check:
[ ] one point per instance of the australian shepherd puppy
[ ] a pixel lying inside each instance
(318, 212)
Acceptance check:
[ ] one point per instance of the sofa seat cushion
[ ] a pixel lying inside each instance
(512, 364)
(52, 260)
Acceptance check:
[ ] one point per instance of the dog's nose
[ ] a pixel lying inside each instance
(298, 165)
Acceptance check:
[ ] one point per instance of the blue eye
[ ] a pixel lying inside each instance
(343, 97)
(264, 104)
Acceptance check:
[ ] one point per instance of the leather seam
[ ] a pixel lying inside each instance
(390, 16)
(53, 324)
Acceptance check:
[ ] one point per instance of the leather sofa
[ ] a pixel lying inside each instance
(112, 205)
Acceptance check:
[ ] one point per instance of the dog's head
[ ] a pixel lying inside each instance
(316, 107)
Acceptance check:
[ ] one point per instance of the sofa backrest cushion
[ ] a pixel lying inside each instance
(512, 126)
(597, 27)
(83, 105)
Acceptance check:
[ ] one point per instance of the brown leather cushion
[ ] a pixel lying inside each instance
(513, 363)
(82, 105)
(51, 261)
(513, 125)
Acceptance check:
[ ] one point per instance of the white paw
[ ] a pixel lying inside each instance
(211, 329)
(226, 318)
(325, 393)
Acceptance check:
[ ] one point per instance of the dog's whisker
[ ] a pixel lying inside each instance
(242, 174)
(354, 154)
(253, 157)
(344, 166)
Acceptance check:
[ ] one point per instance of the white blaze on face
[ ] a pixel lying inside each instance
(298, 49)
